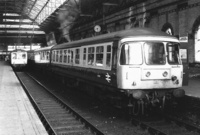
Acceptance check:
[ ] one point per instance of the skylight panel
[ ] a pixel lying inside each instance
(10, 14)
(20, 26)
(24, 32)
(37, 8)
(17, 20)
(51, 6)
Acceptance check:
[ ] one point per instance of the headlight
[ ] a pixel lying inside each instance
(148, 74)
(134, 83)
(177, 81)
(174, 78)
(165, 74)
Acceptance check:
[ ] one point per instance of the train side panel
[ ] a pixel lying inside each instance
(127, 61)
(93, 67)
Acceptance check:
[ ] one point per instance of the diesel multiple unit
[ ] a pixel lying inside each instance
(141, 65)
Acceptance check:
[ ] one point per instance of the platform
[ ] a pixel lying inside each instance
(17, 115)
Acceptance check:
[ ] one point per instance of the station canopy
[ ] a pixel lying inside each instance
(26, 18)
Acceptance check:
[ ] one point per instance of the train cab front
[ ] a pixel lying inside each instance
(151, 69)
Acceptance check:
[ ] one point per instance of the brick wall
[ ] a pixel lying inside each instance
(159, 13)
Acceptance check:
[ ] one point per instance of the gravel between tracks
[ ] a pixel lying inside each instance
(110, 120)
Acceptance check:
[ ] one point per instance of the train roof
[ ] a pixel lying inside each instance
(43, 48)
(135, 32)
(18, 50)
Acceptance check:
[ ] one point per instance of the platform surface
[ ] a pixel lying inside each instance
(17, 115)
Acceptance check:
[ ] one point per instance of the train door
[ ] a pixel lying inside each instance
(129, 63)
(184, 58)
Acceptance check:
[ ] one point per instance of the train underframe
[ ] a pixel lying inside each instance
(19, 67)
(154, 100)
(150, 101)
(136, 102)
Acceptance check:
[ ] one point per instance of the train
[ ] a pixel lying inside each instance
(137, 68)
(18, 58)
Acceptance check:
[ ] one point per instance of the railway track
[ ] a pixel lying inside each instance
(57, 117)
(170, 123)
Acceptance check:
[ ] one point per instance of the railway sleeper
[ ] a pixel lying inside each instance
(54, 119)
(64, 123)
(70, 128)
(75, 132)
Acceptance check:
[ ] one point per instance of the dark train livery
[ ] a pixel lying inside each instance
(141, 65)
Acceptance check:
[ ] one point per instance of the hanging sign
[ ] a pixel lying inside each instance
(183, 39)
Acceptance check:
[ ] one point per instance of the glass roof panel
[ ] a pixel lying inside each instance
(19, 26)
(33, 14)
(10, 14)
(23, 31)
(37, 8)
(17, 20)
(29, 5)
(51, 6)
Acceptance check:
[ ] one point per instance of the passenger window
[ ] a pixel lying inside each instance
(57, 56)
(84, 56)
(77, 56)
(131, 53)
(91, 56)
(72, 56)
(14, 56)
(24, 56)
(65, 56)
(69, 56)
(99, 55)
(47, 55)
(53, 56)
(42, 55)
(108, 56)
(60, 56)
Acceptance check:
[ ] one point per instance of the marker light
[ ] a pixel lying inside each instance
(174, 78)
(177, 81)
(134, 84)
(148, 74)
(165, 74)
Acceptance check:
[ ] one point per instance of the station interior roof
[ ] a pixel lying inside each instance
(24, 21)
(27, 21)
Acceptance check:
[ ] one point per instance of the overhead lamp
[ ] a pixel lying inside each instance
(110, 4)
(86, 15)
